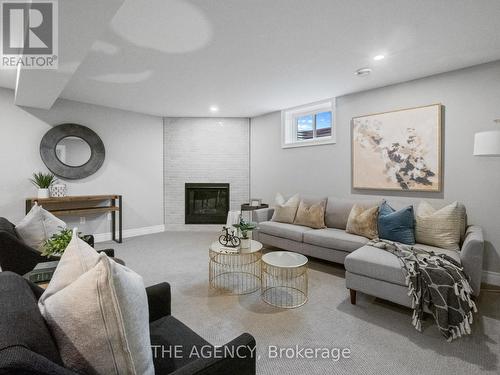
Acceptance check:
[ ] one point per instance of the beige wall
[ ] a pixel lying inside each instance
(472, 100)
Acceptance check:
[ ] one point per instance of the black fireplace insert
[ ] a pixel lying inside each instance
(206, 203)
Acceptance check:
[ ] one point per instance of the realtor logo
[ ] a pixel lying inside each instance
(29, 34)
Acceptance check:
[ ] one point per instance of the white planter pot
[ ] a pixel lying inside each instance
(43, 193)
(245, 243)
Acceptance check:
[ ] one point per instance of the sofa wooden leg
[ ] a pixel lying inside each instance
(353, 296)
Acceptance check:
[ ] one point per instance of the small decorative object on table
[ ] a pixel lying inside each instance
(42, 273)
(245, 227)
(58, 190)
(43, 181)
(228, 239)
(255, 202)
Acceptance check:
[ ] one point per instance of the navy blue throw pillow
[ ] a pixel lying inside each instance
(398, 226)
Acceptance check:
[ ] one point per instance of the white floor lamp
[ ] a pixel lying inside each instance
(488, 144)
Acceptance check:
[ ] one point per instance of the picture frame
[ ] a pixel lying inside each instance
(255, 202)
(398, 150)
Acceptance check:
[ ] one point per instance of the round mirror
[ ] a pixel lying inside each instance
(73, 151)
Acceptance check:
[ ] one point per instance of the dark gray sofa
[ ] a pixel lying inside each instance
(27, 347)
(18, 257)
(368, 269)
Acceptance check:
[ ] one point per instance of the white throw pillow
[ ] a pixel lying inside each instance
(38, 226)
(285, 210)
(97, 311)
(441, 227)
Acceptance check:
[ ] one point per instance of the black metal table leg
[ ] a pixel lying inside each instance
(120, 219)
(113, 221)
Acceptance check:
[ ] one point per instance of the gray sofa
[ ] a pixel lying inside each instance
(368, 269)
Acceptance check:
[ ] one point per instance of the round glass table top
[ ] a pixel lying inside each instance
(284, 259)
(218, 248)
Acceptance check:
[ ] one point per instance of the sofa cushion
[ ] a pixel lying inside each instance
(38, 226)
(92, 295)
(398, 226)
(337, 239)
(285, 210)
(382, 265)
(22, 325)
(311, 214)
(169, 333)
(363, 222)
(338, 210)
(442, 228)
(283, 230)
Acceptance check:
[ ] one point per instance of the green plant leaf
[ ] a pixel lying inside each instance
(56, 244)
(43, 180)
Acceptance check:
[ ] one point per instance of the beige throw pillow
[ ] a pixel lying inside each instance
(440, 228)
(311, 215)
(284, 211)
(38, 226)
(97, 311)
(363, 221)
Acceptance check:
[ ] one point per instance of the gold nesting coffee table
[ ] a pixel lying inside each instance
(284, 279)
(235, 271)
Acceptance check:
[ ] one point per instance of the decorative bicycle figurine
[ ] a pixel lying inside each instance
(228, 239)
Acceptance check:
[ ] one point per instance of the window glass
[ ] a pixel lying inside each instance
(305, 127)
(324, 124)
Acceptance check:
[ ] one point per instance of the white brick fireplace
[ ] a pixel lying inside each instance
(204, 150)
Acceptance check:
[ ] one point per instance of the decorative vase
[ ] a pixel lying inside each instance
(58, 190)
(245, 243)
(43, 193)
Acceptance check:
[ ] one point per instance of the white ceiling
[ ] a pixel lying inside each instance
(249, 57)
(76, 40)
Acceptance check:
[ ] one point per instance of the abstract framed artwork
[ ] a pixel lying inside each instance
(398, 150)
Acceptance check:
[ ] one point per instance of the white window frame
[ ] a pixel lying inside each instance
(289, 121)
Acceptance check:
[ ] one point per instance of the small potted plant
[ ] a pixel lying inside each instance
(245, 227)
(43, 181)
(56, 244)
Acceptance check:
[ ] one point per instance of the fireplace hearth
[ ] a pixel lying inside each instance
(206, 203)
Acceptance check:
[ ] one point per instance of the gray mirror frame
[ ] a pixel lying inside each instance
(55, 135)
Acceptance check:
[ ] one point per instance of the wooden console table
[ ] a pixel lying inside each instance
(84, 205)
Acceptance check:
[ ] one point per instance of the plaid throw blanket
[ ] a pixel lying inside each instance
(436, 282)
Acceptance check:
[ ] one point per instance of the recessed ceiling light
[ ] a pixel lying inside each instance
(378, 57)
(214, 108)
(363, 72)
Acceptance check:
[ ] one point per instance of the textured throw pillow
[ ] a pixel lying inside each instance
(440, 228)
(398, 226)
(284, 211)
(338, 210)
(38, 226)
(363, 221)
(311, 215)
(97, 311)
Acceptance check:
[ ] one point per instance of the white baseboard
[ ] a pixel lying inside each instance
(491, 278)
(134, 232)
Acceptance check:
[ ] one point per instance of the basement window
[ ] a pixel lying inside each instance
(308, 125)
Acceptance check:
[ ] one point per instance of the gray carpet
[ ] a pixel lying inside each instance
(379, 334)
